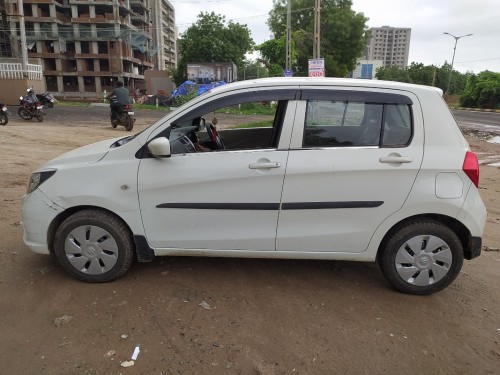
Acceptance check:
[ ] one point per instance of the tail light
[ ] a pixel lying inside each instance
(38, 104)
(471, 167)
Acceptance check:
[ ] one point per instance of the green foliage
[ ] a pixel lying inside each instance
(482, 91)
(183, 99)
(179, 75)
(429, 75)
(344, 33)
(274, 53)
(211, 40)
(253, 69)
(393, 73)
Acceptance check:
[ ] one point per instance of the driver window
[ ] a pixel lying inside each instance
(247, 125)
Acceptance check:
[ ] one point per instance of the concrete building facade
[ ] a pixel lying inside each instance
(389, 44)
(164, 35)
(85, 46)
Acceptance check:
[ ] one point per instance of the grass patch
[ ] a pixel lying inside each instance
(60, 103)
(256, 124)
(252, 108)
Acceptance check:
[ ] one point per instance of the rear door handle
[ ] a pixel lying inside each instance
(396, 159)
(266, 165)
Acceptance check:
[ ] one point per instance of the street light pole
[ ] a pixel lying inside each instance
(453, 59)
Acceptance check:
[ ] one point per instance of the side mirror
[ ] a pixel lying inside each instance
(160, 147)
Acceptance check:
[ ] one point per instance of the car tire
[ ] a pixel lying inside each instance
(94, 246)
(421, 257)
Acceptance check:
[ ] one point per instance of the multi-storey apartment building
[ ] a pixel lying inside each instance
(86, 45)
(389, 44)
(164, 35)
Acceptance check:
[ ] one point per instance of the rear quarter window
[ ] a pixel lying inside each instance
(355, 122)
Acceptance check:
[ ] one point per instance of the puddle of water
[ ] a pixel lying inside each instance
(494, 140)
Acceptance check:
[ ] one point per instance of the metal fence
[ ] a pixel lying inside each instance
(15, 71)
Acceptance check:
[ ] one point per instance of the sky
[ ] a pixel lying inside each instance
(428, 19)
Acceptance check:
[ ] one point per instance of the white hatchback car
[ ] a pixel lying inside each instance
(301, 168)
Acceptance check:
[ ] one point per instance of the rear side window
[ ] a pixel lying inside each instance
(336, 123)
(397, 125)
(339, 123)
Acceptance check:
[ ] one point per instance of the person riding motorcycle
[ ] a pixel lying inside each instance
(121, 97)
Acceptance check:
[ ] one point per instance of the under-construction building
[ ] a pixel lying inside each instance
(85, 46)
(164, 34)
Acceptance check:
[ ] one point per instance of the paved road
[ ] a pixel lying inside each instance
(487, 122)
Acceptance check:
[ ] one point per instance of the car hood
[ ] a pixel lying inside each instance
(84, 155)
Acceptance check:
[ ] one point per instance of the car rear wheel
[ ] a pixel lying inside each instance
(421, 257)
(94, 246)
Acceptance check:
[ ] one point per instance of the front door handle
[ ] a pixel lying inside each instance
(396, 159)
(265, 165)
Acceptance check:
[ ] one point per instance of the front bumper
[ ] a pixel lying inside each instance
(37, 212)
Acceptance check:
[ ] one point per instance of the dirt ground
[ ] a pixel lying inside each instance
(229, 316)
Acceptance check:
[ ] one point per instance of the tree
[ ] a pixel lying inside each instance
(252, 70)
(273, 52)
(482, 91)
(393, 73)
(210, 40)
(344, 33)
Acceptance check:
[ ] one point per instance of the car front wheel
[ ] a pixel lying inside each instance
(421, 257)
(94, 246)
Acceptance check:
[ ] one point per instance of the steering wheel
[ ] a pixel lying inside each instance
(214, 136)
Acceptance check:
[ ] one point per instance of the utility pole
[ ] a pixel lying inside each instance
(288, 57)
(24, 48)
(317, 29)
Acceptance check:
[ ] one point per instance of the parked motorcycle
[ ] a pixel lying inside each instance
(4, 114)
(47, 99)
(124, 115)
(30, 106)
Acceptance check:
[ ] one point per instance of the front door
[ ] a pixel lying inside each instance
(218, 200)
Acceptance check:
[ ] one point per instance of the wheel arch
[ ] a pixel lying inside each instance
(455, 225)
(59, 219)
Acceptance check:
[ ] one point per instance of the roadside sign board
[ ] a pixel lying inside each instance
(316, 67)
(288, 73)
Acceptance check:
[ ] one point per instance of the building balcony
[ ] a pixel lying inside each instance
(139, 5)
(39, 1)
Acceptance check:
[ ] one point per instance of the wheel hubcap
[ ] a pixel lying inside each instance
(423, 260)
(91, 249)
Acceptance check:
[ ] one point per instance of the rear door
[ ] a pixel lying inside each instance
(353, 160)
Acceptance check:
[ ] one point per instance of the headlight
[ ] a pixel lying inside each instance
(38, 178)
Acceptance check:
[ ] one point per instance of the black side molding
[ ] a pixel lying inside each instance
(144, 252)
(330, 205)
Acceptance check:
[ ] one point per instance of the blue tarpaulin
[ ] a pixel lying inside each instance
(188, 86)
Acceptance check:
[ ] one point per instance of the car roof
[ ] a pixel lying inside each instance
(318, 82)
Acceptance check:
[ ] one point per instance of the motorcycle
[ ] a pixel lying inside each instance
(30, 106)
(124, 115)
(47, 99)
(4, 114)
